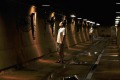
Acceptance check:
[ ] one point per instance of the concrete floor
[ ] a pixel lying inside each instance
(79, 61)
(109, 66)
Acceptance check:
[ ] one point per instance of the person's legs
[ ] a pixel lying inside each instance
(62, 57)
(61, 53)
(60, 50)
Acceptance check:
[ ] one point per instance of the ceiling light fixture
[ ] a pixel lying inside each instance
(72, 16)
(118, 17)
(45, 5)
(118, 12)
(117, 3)
(79, 18)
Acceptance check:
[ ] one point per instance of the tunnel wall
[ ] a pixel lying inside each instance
(7, 49)
(74, 37)
(78, 38)
(70, 36)
(104, 31)
(87, 32)
(19, 42)
(26, 34)
(118, 36)
(82, 34)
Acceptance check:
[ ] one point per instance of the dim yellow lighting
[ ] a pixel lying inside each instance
(32, 9)
(114, 55)
(52, 14)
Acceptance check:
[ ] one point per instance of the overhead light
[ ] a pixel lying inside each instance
(97, 24)
(88, 21)
(93, 22)
(116, 25)
(85, 19)
(79, 18)
(116, 22)
(118, 12)
(45, 5)
(118, 17)
(72, 16)
(117, 3)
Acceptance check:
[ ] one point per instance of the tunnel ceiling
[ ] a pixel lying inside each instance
(101, 11)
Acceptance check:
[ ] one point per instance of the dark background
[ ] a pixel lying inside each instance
(100, 11)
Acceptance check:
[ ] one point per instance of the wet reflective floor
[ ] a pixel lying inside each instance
(86, 61)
